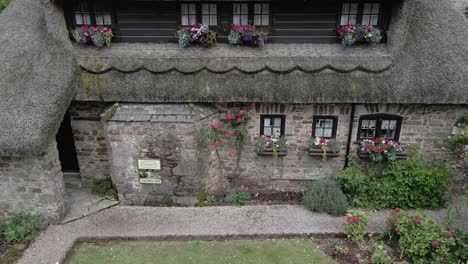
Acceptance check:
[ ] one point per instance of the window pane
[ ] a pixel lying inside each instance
(107, 19)
(206, 20)
(267, 131)
(266, 9)
(184, 20)
(393, 124)
(245, 8)
(87, 19)
(78, 19)
(205, 9)
(328, 122)
(257, 20)
(375, 8)
(192, 9)
(344, 20)
(385, 124)
(267, 122)
(352, 19)
(318, 132)
(184, 9)
(367, 8)
(277, 122)
(265, 20)
(365, 124)
(366, 20)
(345, 9)
(236, 8)
(354, 8)
(277, 131)
(99, 20)
(327, 132)
(374, 20)
(214, 20)
(372, 123)
(193, 19)
(258, 8)
(236, 19)
(245, 19)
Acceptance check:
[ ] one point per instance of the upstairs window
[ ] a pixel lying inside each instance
(370, 14)
(380, 125)
(103, 15)
(240, 14)
(324, 126)
(81, 13)
(272, 125)
(261, 14)
(349, 13)
(209, 14)
(188, 14)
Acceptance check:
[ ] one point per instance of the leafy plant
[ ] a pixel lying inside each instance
(196, 34)
(4, 4)
(205, 199)
(20, 226)
(99, 35)
(248, 35)
(354, 225)
(231, 197)
(412, 184)
(380, 255)
(243, 198)
(103, 188)
(325, 196)
(272, 143)
(460, 137)
(325, 145)
(459, 251)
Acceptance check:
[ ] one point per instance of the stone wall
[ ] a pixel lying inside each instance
(90, 140)
(32, 184)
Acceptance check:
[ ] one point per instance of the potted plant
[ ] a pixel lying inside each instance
(324, 147)
(197, 34)
(379, 150)
(354, 34)
(248, 35)
(272, 146)
(99, 35)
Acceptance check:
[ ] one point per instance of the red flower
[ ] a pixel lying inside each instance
(241, 112)
(232, 153)
(228, 117)
(377, 140)
(395, 211)
(240, 132)
(215, 144)
(239, 120)
(417, 221)
(450, 234)
(435, 244)
(215, 126)
(230, 133)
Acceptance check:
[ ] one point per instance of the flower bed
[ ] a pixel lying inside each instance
(357, 34)
(324, 147)
(99, 35)
(198, 34)
(248, 35)
(272, 146)
(379, 150)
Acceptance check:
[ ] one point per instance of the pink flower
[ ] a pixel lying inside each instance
(395, 211)
(417, 221)
(228, 117)
(239, 120)
(349, 220)
(449, 234)
(232, 153)
(230, 133)
(241, 112)
(215, 144)
(215, 126)
(240, 132)
(435, 244)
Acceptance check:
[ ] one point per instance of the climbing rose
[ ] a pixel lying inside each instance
(435, 244)
(216, 126)
(215, 144)
(239, 120)
(232, 153)
(449, 234)
(241, 112)
(230, 133)
(417, 221)
(240, 132)
(228, 117)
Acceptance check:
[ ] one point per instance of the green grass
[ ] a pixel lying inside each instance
(200, 252)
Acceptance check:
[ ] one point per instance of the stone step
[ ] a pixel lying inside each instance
(72, 180)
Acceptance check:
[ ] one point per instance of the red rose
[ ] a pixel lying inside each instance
(417, 221)
(228, 117)
(435, 244)
(241, 112)
(449, 234)
(239, 120)
(230, 133)
(240, 132)
(215, 126)
(377, 140)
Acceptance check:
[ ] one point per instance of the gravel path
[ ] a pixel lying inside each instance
(123, 222)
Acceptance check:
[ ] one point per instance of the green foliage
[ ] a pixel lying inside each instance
(459, 251)
(461, 138)
(20, 226)
(380, 255)
(240, 198)
(103, 188)
(412, 184)
(205, 199)
(4, 4)
(243, 198)
(325, 196)
(421, 238)
(231, 197)
(354, 225)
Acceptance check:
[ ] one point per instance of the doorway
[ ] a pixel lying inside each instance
(66, 147)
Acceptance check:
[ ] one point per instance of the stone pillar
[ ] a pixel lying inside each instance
(33, 184)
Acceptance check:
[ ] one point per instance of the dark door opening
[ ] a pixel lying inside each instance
(66, 146)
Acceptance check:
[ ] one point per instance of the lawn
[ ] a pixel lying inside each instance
(293, 251)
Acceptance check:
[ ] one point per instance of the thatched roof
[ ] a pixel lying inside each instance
(425, 62)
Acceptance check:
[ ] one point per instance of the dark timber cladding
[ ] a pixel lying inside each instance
(293, 21)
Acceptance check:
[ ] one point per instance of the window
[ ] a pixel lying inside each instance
(240, 14)
(349, 13)
(261, 14)
(370, 14)
(103, 15)
(81, 13)
(380, 125)
(324, 126)
(188, 15)
(209, 14)
(272, 125)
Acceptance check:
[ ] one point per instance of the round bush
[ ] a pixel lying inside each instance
(325, 196)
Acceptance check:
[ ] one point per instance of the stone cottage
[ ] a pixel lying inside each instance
(138, 112)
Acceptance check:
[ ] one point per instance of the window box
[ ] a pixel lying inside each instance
(280, 153)
(364, 155)
(319, 153)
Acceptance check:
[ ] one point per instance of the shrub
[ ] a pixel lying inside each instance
(355, 224)
(243, 198)
(104, 187)
(205, 199)
(459, 251)
(421, 238)
(233, 197)
(412, 184)
(20, 226)
(325, 196)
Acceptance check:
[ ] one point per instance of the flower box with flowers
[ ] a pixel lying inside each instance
(379, 150)
(324, 147)
(272, 146)
(248, 35)
(99, 35)
(197, 34)
(356, 34)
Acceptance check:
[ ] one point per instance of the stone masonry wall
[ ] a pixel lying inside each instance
(32, 184)
(90, 140)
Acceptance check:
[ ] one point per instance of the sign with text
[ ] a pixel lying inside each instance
(149, 171)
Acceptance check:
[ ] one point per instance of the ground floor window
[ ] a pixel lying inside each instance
(379, 125)
(272, 125)
(324, 126)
